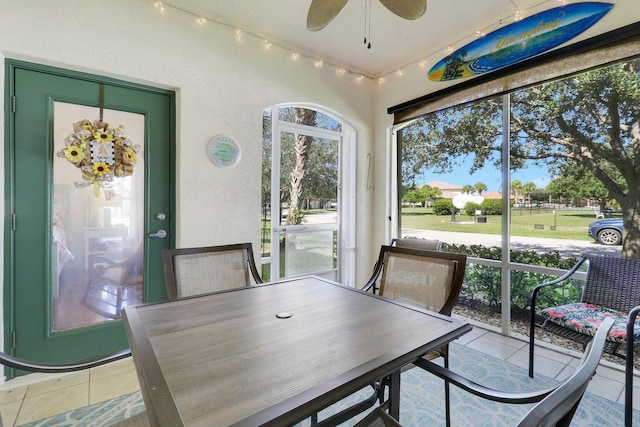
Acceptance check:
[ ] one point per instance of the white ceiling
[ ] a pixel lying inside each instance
(396, 42)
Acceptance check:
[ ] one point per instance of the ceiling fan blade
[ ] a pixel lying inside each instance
(407, 9)
(321, 12)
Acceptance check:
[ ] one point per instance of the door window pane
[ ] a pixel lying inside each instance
(96, 251)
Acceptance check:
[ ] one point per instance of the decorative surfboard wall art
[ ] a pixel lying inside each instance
(519, 41)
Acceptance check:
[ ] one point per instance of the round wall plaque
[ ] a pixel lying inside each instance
(223, 151)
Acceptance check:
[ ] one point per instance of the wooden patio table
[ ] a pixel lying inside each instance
(274, 354)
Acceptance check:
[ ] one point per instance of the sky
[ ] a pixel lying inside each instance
(488, 175)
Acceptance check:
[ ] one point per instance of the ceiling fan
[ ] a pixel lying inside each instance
(321, 12)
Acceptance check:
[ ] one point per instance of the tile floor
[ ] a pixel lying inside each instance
(36, 396)
(32, 397)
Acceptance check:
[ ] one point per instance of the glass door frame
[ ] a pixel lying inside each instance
(345, 225)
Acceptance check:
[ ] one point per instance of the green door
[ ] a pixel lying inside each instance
(86, 207)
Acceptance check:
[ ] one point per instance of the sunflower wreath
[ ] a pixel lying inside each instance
(102, 153)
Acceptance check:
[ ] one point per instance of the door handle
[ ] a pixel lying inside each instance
(160, 234)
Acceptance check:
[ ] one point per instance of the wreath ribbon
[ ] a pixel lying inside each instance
(102, 153)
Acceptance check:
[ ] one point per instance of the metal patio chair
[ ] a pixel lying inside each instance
(194, 271)
(428, 279)
(555, 406)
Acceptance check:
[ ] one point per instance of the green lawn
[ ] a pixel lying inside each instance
(569, 224)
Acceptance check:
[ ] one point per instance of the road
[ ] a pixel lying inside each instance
(566, 248)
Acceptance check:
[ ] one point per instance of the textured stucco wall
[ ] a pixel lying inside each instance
(222, 86)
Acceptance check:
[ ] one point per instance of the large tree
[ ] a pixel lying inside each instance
(590, 119)
(516, 190)
(308, 165)
(302, 149)
(420, 195)
(529, 188)
(576, 182)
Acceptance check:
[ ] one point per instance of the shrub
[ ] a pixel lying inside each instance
(470, 208)
(482, 282)
(443, 207)
(491, 207)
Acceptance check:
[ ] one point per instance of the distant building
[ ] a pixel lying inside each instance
(493, 195)
(448, 190)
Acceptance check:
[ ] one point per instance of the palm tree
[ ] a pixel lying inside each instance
(468, 189)
(529, 188)
(298, 174)
(480, 187)
(516, 189)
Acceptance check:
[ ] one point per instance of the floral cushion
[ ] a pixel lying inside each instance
(586, 318)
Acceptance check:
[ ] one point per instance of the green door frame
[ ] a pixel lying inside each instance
(155, 197)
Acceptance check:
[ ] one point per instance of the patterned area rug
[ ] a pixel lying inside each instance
(422, 401)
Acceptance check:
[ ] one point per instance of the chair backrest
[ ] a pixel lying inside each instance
(558, 408)
(416, 243)
(195, 271)
(429, 279)
(613, 282)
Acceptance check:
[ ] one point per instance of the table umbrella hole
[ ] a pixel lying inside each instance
(284, 315)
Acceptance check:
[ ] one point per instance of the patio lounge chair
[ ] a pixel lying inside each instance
(611, 290)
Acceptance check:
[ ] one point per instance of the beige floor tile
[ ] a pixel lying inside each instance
(13, 394)
(566, 372)
(548, 367)
(9, 412)
(58, 383)
(605, 387)
(125, 365)
(108, 387)
(29, 379)
(474, 334)
(491, 348)
(501, 339)
(551, 355)
(636, 398)
(45, 405)
(611, 373)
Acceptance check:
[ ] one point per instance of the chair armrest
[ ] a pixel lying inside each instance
(537, 289)
(628, 376)
(30, 366)
(557, 280)
(377, 269)
(254, 269)
(482, 391)
(368, 286)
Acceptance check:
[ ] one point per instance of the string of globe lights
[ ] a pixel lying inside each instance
(342, 71)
